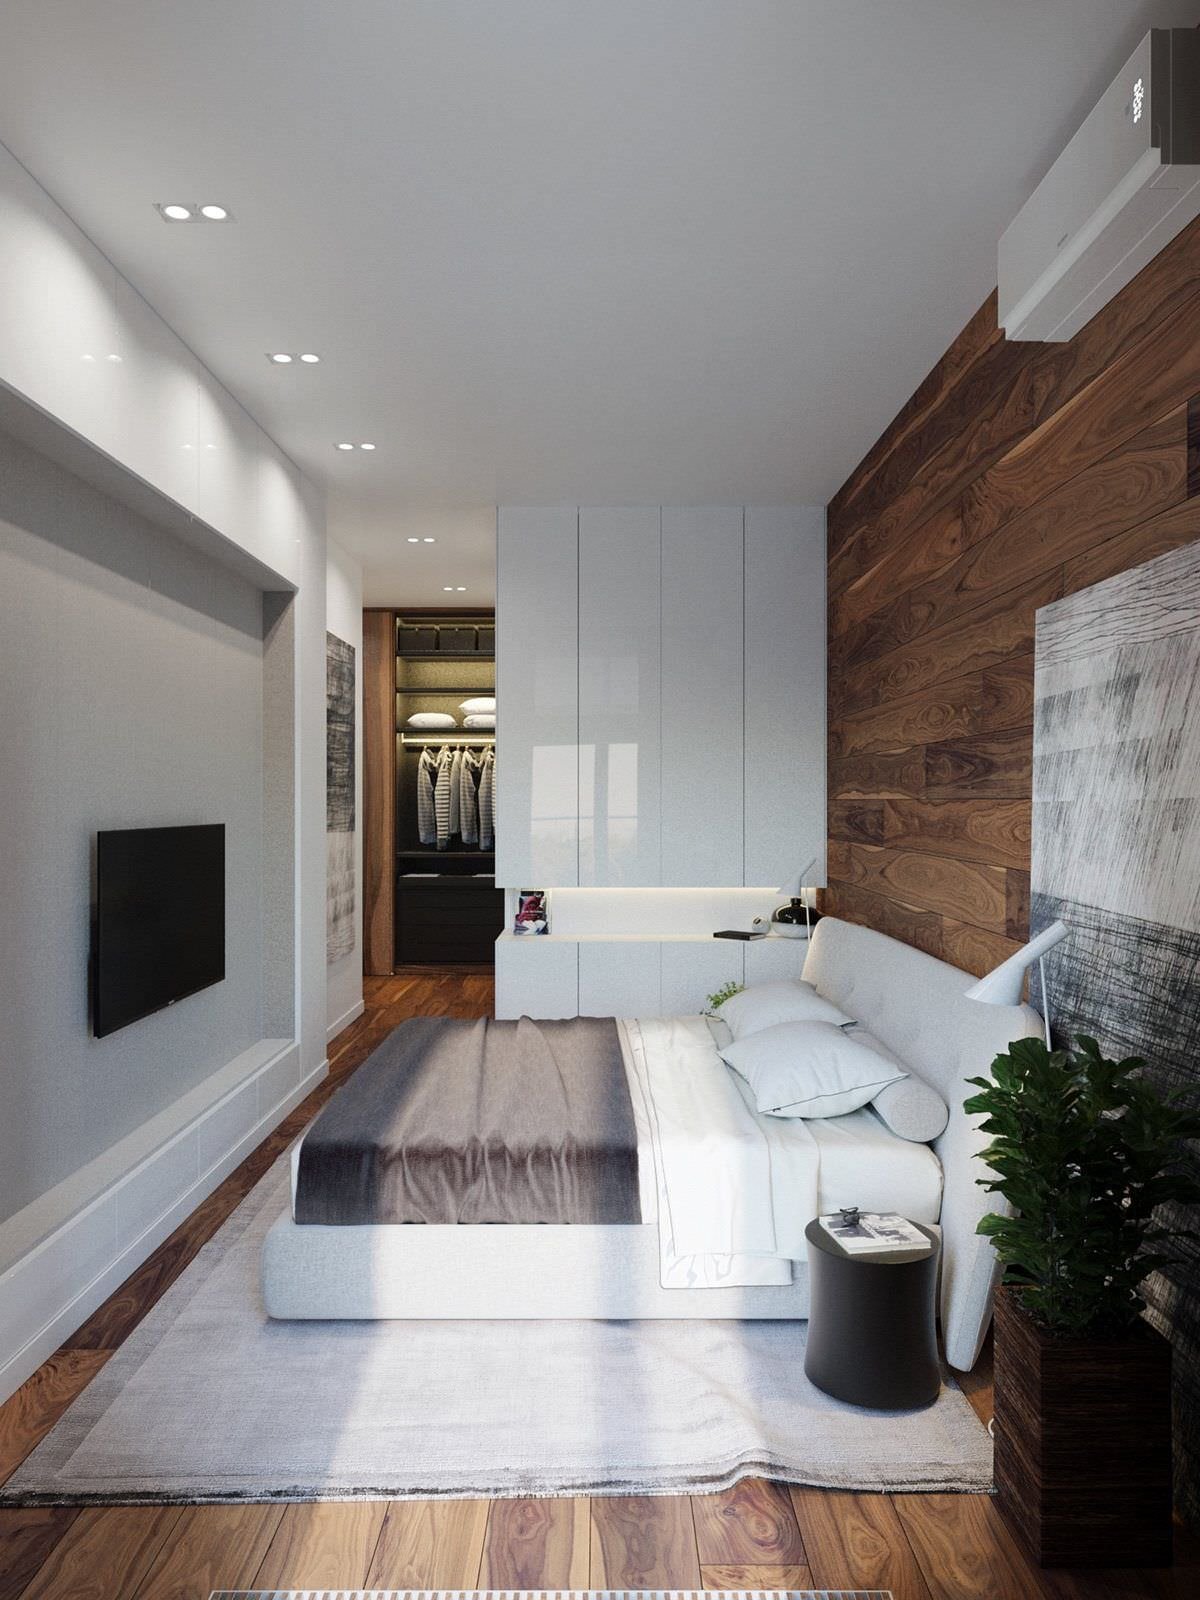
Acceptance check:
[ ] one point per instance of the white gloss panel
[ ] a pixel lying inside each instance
(619, 755)
(702, 824)
(537, 678)
(771, 960)
(536, 976)
(692, 970)
(785, 692)
(619, 978)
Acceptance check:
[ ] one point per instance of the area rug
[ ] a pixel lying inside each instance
(210, 1400)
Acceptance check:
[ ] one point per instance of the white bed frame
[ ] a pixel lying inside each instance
(913, 1003)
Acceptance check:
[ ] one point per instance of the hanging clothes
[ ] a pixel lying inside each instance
(426, 810)
(441, 795)
(457, 761)
(487, 788)
(468, 808)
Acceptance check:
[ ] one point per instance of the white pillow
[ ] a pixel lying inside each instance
(766, 1005)
(480, 719)
(431, 719)
(909, 1107)
(481, 702)
(809, 1069)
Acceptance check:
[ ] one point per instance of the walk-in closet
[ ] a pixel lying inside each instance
(429, 778)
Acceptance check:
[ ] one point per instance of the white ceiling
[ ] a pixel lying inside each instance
(557, 250)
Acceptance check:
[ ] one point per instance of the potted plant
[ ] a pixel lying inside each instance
(1085, 1151)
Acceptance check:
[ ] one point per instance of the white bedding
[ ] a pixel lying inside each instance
(730, 1189)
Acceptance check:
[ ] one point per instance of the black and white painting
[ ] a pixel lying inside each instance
(1116, 855)
(339, 798)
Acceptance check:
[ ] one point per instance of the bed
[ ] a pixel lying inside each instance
(716, 1182)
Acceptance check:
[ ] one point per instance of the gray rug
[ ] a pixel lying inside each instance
(210, 1400)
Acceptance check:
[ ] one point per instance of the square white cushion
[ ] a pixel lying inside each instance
(809, 1069)
(481, 702)
(766, 1005)
(431, 719)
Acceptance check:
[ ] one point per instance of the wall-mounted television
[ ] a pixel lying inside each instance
(159, 930)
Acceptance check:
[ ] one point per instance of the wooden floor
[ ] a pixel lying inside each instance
(758, 1535)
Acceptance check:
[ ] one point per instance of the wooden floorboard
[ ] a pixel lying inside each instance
(758, 1535)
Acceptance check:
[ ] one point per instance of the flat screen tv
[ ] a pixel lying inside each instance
(160, 920)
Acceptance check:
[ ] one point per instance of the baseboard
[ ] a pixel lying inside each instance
(344, 1021)
(47, 1291)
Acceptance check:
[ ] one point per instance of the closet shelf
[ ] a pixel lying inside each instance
(429, 854)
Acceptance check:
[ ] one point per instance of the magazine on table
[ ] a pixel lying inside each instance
(876, 1231)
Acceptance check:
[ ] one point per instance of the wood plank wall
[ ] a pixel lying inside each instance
(1016, 473)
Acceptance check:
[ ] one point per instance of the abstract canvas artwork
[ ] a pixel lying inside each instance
(339, 798)
(1116, 855)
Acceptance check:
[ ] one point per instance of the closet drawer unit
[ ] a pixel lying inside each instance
(447, 919)
(458, 641)
(412, 641)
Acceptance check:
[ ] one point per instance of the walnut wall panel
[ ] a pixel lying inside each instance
(1016, 474)
(379, 791)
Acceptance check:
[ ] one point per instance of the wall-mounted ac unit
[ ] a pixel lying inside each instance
(1127, 183)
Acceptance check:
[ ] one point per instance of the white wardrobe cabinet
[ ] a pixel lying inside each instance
(619, 698)
(702, 646)
(771, 960)
(536, 977)
(537, 681)
(784, 722)
(619, 978)
(694, 969)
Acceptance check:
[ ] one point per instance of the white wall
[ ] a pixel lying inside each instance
(96, 380)
(343, 617)
(130, 696)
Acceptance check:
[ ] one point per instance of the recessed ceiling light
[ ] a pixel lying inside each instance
(279, 357)
(310, 357)
(114, 357)
(345, 447)
(448, 588)
(462, 588)
(413, 540)
(192, 212)
(427, 540)
(366, 447)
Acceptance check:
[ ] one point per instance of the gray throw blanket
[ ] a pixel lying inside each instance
(478, 1121)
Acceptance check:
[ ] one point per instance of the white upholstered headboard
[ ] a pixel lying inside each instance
(916, 1005)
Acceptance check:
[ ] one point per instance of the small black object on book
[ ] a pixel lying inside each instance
(737, 933)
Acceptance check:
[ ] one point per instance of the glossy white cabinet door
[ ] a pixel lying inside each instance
(702, 696)
(692, 969)
(619, 978)
(785, 693)
(771, 960)
(619, 757)
(537, 677)
(537, 977)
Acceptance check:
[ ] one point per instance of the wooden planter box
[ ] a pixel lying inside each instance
(1083, 1443)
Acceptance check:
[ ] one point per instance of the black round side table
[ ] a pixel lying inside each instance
(872, 1338)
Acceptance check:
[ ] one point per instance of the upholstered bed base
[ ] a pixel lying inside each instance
(913, 1003)
(512, 1273)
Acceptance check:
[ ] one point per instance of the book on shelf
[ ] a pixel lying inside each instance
(860, 1232)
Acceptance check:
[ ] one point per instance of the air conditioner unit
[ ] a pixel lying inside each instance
(1127, 183)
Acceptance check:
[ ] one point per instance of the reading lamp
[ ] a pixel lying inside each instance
(1002, 986)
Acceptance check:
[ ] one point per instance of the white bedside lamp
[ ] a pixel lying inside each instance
(1002, 986)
